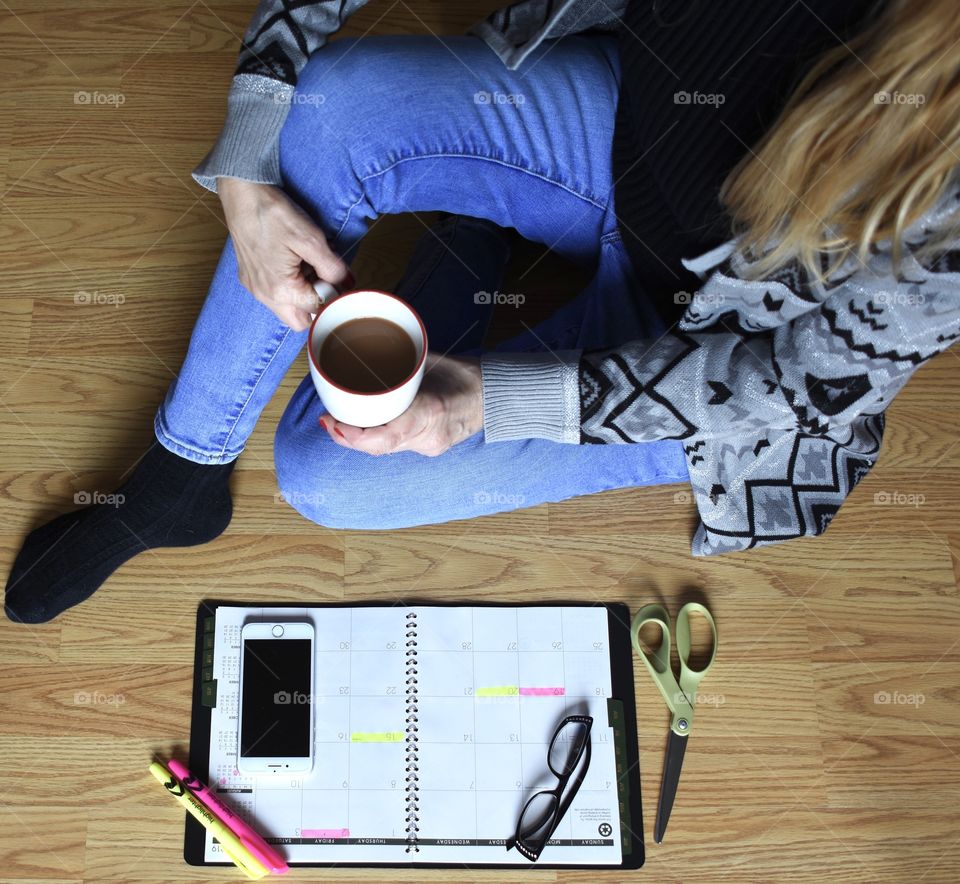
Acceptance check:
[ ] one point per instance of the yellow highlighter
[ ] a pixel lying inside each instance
(232, 847)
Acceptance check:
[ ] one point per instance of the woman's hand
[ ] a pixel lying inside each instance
(448, 408)
(272, 237)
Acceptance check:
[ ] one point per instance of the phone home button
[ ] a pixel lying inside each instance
(277, 631)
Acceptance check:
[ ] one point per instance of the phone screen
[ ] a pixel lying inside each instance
(276, 698)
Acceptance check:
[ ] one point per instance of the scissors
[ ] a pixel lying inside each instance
(681, 697)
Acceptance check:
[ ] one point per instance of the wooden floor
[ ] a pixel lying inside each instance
(800, 772)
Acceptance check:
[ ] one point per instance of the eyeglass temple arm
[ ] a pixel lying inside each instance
(572, 792)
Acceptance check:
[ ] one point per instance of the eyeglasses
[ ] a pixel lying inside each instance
(543, 811)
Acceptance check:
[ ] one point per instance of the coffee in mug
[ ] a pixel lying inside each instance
(368, 355)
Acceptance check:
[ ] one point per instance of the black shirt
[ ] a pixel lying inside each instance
(701, 81)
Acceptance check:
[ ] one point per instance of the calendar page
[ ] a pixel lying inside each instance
(432, 728)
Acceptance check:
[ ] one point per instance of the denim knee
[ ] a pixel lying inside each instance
(315, 139)
(302, 475)
(342, 93)
(321, 480)
(332, 81)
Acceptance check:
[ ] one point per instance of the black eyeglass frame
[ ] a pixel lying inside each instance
(531, 849)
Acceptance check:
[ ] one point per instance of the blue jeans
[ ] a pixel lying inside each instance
(386, 125)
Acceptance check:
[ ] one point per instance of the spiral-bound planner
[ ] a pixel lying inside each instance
(432, 724)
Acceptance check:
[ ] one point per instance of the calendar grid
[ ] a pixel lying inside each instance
(492, 686)
(473, 672)
(516, 615)
(349, 710)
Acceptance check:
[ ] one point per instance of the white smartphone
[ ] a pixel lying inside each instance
(276, 724)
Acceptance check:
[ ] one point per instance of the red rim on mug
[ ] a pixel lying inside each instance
(316, 362)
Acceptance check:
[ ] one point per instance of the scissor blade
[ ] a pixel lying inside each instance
(676, 746)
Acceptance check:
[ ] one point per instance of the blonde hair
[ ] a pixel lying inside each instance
(867, 144)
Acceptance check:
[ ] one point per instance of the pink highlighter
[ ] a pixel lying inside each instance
(248, 837)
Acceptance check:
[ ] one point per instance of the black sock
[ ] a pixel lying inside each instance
(167, 501)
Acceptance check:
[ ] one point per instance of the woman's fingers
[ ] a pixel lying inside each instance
(398, 435)
(273, 237)
(311, 246)
(385, 439)
(300, 298)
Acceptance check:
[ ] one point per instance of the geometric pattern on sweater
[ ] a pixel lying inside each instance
(284, 33)
(778, 386)
(801, 500)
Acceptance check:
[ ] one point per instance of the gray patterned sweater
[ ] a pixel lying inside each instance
(777, 387)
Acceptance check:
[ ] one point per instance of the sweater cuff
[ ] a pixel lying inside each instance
(531, 396)
(249, 143)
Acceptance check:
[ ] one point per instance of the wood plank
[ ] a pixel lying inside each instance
(137, 171)
(98, 29)
(83, 382)
(73, 787)
(126, 236)
(124, 699)
(873, 770)
(15, 315)
(888, 699)
(795, 842)
(33, 850)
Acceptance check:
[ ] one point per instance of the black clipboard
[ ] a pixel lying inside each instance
(621, 709)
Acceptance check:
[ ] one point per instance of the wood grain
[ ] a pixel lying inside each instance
(829, 733)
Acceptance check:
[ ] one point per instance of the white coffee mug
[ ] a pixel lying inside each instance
(351, 406)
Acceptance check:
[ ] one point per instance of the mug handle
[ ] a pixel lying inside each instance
(326, 292)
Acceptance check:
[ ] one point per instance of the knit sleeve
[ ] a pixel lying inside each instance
(674, 387)
(841, 358)
(276, 46)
